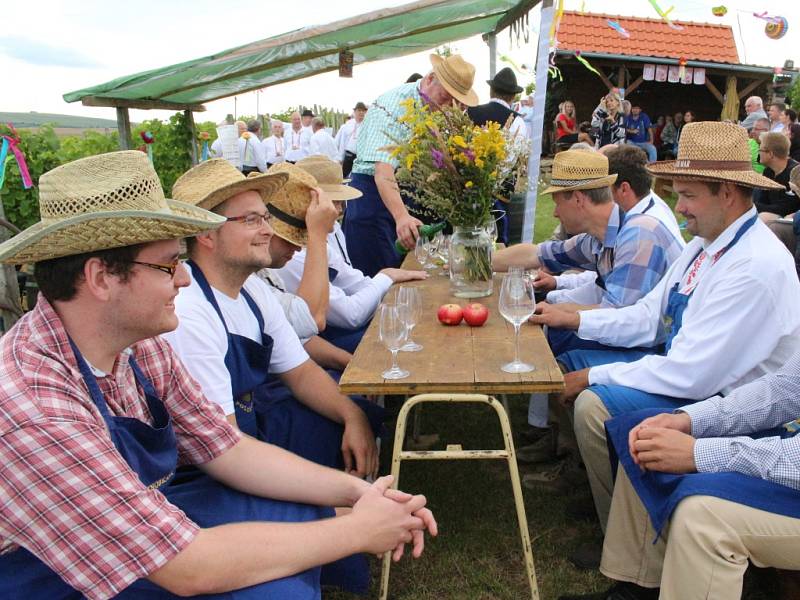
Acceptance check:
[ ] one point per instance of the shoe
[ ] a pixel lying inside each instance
(551, 478)
(545, 449)
(622, 590)
(587, 556)
(532, 434)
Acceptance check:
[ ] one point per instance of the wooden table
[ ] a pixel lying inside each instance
(454, 359)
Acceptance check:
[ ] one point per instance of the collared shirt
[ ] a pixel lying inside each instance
(294, 307)
(322, 143)
(68, 495)
(201, 342)
(381, 128)
(296, 143)
(631, 260)
(251, 152)
(652, 205)
(751, 119)
(741, 322)
(347, 137)
(274, 149)
(722, 425)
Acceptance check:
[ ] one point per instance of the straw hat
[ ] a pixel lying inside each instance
(288, 207)
(212, 182)
(456, 76)
(101, 202)
(711, 151)
(328, 174)
(579, 170)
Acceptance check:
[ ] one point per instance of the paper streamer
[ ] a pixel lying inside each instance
(618, 28)
(586, 64)
(764, 16)
(11, 144)
(664, 14)
(556, 23)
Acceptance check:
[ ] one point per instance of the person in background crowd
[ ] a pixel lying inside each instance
(760, 127)
(658, 127)
(297, 141)
(774, 113)
(688, 117)
(609, 121)
(251, 150)
(754, 108)
(526, 111)
(322, 141)
(788, 118)
(774, 155)
(305, 118)
(788, 229)
(567, 126)
(216, 145)
(669, 136)
(274, 145)
(626, 107)
(639, 132)
(372, 224)
(347, 138)
(794, 141)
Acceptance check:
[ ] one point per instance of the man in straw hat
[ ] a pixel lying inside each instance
(372, 224)
(234, 337)
(97, 412)
(347, 138)
(354, 297)
(726, 311)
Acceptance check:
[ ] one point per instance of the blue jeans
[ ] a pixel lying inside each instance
(652, 153)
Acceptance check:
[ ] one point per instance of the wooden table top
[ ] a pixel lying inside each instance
(460, 359)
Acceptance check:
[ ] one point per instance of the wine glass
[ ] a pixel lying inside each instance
(443, 250)
(409, 307)
(491, 229)
(393, 333)
(516, 305)
(422, 251)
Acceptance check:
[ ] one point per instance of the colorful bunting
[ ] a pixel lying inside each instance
(586, 64)
(12, 144)
(618, 28)
(664, 14)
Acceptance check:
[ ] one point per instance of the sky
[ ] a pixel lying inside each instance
(49, 47)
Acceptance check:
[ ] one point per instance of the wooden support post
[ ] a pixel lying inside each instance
(190, 122)
(124, 128)
(713, 89)
(491, 40)
(10, 307)
(621, 78)
(633, 86)
(749, 88)
(606, 80)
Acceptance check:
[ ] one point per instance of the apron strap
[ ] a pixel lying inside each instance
(198, 274)
(256, 311)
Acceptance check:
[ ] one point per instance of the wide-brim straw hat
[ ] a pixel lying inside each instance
(212, 182)
(456, 76)
(712, 151)
(575, 170)
(328, 174)
(288, 207)
(101, 202)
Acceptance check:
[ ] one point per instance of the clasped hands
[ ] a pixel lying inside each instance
(664, 443)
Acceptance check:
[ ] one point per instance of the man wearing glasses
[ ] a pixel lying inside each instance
(97, 412)
(773, 153)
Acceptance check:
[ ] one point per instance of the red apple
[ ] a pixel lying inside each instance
(450, 314)
(475, 314)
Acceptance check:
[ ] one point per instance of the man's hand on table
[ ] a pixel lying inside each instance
(359, 450)
(552, 316)
(403, 275)
(664, 443)
(574, 384)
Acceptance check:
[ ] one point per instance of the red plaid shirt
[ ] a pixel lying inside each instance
(66, 494)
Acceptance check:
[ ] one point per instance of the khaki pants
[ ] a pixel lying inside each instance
(704, 550)
(589, 418)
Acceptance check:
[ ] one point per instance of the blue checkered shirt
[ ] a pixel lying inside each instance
(722, 425)
(632, 259)
(380, 126)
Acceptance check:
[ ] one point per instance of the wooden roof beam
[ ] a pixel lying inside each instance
(141, 104)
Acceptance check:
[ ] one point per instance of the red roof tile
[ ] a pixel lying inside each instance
(589, 32)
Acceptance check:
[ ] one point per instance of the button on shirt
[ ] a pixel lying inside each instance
(54, 444)
(201, 343)
(632, 259)
(722, 425)
(741, 322)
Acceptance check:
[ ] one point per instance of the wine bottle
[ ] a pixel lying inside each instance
(425, 231)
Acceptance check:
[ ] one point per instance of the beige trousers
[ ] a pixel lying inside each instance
(703, 551)
(589, 416)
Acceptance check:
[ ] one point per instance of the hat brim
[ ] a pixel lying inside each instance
(667, 169)
(265, 184)
(291, 234)
(505, 90)
(340, 193)
(90, 232)
(592, 184)
(468, 99)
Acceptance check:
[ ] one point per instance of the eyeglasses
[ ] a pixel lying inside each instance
(169, 269)
(253, 220)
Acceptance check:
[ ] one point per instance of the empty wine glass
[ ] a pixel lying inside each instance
(516, 305)
(393, 334)
(491, 229)
(422, 251)
(409, 307)
(443, 251)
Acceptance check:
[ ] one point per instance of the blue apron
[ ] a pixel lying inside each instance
(152, 452)
(620, 399)
(247, 361)
(660, 493)
(369, 229)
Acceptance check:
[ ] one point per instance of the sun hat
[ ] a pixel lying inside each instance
(101, 202)
(712, 151)
(505, 82)
(360, 106)
(328, 174)
(456, 76)
(213, 181)
(288, 207)
(579, 170)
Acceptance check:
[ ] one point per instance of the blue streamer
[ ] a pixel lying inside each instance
(3, 156)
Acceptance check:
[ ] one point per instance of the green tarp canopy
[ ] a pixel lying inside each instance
(381, 34)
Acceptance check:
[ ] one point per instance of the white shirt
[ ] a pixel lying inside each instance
(322, 143)
(296, 143)
(216, 148)
(201, 343)
(570, 281)
(251, 152)
(354, 297)
(347, 137)
(776, 127)
(294, 307)
(274, 149)
(741, 322)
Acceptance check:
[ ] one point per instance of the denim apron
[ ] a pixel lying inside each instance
(247, 361)
(619, 399)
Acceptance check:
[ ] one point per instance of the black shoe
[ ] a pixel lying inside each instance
(622, 590)
(587, 556)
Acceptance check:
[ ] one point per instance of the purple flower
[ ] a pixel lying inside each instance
(470, 154)
(438, 158)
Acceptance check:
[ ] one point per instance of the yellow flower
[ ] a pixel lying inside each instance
(410, 160)
(469, 184)
(459, 141)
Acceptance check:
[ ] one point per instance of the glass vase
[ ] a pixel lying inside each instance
(471, 262)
